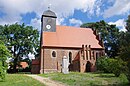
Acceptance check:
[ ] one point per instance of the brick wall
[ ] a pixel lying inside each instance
(54, 64)
(35, 68)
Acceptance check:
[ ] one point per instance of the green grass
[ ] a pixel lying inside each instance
(19, 80)
(88, 79)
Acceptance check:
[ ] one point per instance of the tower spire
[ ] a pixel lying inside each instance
(49, 7)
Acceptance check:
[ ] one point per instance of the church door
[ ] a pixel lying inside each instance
(88, 67)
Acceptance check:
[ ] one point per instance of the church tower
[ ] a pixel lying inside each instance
(48, 21)
(48, 24)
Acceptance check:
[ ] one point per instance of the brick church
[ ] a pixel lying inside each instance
(81, 46)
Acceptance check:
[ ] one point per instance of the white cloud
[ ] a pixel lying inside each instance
(98, 11)
(64, 8)
(76, 22)
(14, 8)
(120, 7)
(60, 21)
(98, 7)
(120, 24)
(36, 23)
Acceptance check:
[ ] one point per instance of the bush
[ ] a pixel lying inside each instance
(102, 64)
(2, 72)
(117, 66)
(127, 71)
(110, 65)
(4, 53)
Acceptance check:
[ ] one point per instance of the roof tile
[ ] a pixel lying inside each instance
(66, 36)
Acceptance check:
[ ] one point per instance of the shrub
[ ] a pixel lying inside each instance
(110, 65)
(117, 66)
(127, 71)
(102, 64)
(4, 53)
(2, 72)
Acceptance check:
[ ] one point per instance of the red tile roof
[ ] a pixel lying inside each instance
(66, 36)
(24, 64)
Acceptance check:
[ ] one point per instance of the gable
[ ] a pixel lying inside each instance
(66, 36)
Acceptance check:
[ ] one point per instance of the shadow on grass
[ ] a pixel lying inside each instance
(21, 73)
(105, 76)
(119, 84)
(2, 80)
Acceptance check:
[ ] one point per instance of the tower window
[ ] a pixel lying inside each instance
(53, 53)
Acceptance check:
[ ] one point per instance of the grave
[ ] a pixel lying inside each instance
(65, 65)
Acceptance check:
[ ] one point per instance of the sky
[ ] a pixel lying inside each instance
(69, 12)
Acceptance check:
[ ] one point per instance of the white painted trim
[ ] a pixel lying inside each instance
(55, 52)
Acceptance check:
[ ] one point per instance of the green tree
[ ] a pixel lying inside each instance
(1, 34)
(4, 53)
(125, 47)
(109, 34)
(128, 23)
(20, 40)
(111, 65)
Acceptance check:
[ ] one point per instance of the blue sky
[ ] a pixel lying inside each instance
(69, 12)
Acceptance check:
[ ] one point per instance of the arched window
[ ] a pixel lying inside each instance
(70, 57)
(53, 53)
(97, 55)
(90, 55)
(86, 54)
(93, 55)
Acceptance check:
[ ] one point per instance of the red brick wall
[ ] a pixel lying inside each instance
(35, 66)
(76, 66)
(53, 64)
(91, 59)
(35, 69)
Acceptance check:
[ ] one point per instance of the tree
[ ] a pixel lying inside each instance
(109, 34)
(125, 47)
(4, 53)
(20, 40)
(1, 34)
(110, 65)
(128, 23)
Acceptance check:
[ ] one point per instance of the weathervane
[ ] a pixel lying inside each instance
(49, 6)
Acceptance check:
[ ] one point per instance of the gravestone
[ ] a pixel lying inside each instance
(65, 64)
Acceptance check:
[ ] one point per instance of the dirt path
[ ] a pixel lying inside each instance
(46, 81)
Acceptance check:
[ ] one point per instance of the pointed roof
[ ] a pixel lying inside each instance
(49, 13)
(66, 36)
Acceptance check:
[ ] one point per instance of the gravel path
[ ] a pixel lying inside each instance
(46, 81)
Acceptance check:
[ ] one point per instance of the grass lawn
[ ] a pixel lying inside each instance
(19, 80)
(88, 79)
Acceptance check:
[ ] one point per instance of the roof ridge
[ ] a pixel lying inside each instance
(74, 27)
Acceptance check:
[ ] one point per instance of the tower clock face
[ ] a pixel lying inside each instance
(48, 26)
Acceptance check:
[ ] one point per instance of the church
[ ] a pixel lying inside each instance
(81, 47)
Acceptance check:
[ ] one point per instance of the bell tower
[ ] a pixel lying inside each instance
(48, 24)
(48, 21)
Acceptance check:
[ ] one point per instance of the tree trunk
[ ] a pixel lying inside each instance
(15, 65)
(15, 61)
